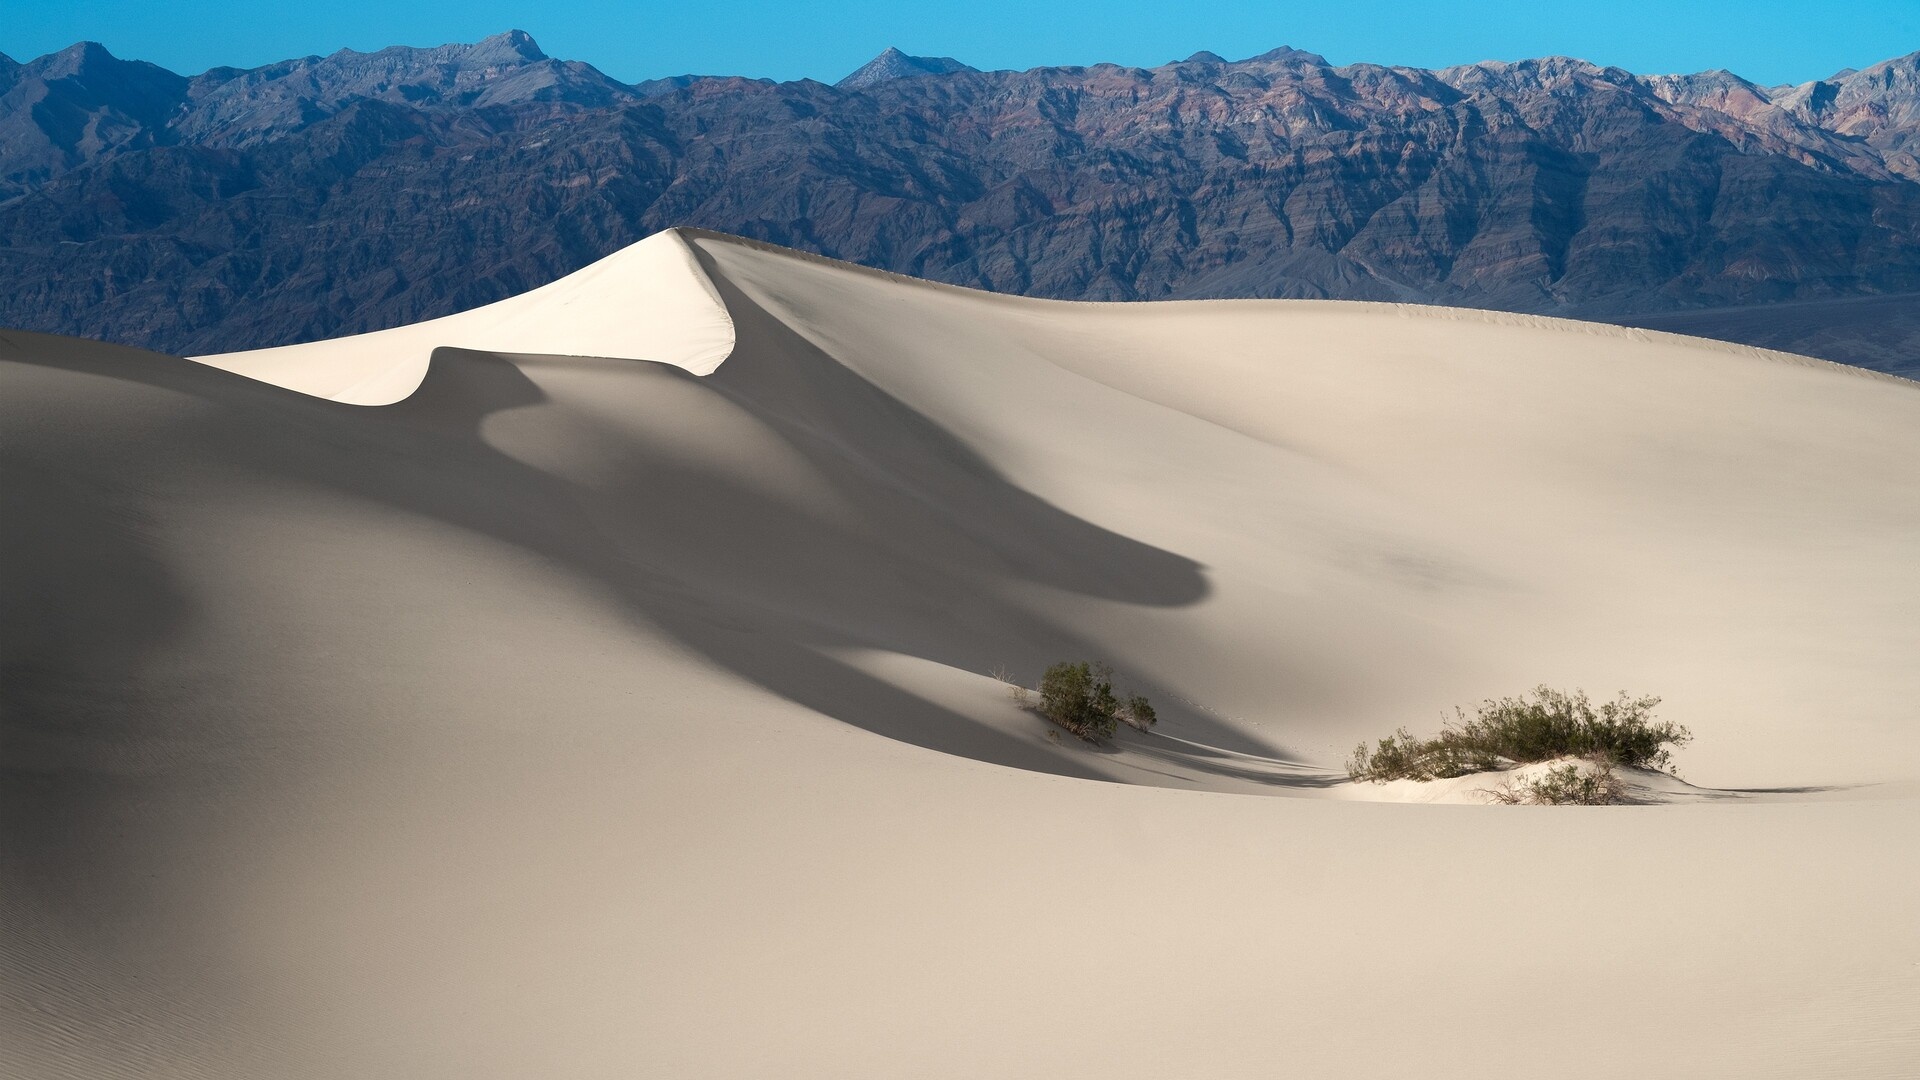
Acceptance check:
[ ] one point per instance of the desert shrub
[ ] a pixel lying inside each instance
(1396, 756)
(1566, 785)
(1080, 697)
(1136, 713)
(1514, 731)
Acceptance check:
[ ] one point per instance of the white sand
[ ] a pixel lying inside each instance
(650, 302)
(576, 715)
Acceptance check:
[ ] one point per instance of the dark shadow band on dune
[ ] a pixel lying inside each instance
(95, 747)
(932, 527)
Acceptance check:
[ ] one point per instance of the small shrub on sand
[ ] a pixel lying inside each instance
(1080, 698)
(1136, 713)
(1518, 730)
(1567, 784)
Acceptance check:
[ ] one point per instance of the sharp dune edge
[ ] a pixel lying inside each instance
(650, 302)
(570, 713)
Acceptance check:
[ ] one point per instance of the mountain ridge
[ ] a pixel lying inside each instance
(325, 195)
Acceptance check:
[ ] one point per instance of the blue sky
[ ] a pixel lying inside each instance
(1769, 41)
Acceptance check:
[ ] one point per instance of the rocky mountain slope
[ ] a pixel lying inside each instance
(337, 194)
(894, 64)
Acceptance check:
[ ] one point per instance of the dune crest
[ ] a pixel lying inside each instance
(649, 301)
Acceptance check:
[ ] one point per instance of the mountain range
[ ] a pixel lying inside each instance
(338, 194)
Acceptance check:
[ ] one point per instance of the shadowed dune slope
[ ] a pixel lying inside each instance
(526, 722)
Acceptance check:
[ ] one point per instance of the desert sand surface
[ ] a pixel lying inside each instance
(598, 684)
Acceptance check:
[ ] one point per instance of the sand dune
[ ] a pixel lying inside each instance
(650, 302)
(571, 712)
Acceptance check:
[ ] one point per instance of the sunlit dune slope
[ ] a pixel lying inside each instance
(647, 302)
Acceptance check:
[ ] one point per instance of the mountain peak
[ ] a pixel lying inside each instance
(1287, 54)
(514, 46)
(894, 64)
(135, 86)
(75, 58)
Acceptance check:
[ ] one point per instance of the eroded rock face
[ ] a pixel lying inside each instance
(332, 195)
(245, 108)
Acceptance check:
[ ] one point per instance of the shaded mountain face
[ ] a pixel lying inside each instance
(78, 105)
(333, 195)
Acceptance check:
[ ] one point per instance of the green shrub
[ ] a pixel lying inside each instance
(1566, 785)
(1517, 730)
(1080, 698)
(1396, 756)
